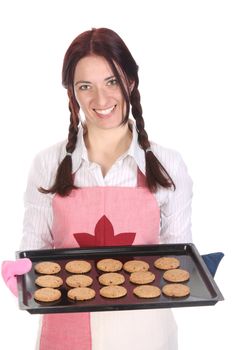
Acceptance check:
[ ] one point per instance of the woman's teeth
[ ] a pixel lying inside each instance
(104, 111)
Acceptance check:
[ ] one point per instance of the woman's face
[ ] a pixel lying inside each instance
(98, 93)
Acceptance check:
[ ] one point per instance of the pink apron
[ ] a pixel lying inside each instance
(97, 216)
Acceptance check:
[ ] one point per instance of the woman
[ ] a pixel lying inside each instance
(107, 172)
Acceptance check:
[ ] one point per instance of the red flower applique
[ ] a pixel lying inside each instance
(104, 236)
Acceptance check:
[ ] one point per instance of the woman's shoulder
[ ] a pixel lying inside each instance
(48, 159)
(53, 153)
(45, 163)
(168, 157)
(173, 162)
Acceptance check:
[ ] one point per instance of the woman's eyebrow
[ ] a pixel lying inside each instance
(112, 76)
(88, 82)
(82, 82)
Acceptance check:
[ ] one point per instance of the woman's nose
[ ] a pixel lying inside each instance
(101, 98)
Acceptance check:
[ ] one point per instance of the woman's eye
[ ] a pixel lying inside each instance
(84, 87)
(113, 82)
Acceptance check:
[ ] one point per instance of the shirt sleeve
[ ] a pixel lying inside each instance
(176, 208)
(38, 214)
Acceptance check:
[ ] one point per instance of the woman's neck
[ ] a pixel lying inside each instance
(111, 141)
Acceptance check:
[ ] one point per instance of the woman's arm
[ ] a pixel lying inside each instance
(176, 207)
(38, 210)
(38, 217)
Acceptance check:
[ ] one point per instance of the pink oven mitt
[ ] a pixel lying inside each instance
(10, 269)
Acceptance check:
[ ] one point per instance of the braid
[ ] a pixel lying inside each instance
(156, 174)
(64, 182)
(73, 128)
(140, 124)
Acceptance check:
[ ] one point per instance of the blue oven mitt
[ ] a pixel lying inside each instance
(212, 261)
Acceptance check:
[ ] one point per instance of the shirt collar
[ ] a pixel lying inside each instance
(134, 150)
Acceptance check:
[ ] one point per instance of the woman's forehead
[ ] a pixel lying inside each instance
(93, 66)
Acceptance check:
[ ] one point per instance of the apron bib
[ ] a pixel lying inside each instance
(90, 217)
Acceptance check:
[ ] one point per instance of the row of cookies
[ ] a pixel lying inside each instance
(49, 283)
(173, 274)
(107, 265)
(112, 292)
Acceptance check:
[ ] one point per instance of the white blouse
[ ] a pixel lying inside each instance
(175, 206)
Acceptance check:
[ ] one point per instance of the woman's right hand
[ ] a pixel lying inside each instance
(10, 269)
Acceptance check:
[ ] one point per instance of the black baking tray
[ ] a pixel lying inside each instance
(204, 290)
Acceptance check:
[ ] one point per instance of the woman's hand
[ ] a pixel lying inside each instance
(10, 269)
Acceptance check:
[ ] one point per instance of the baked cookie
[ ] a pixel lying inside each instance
(176, 290)
(47, 294)
(111, 278)
(147, 291)
(113, 292)
(49, 281)
(78, 266)
(167, 263)
(79, 281)
(176, 275)
(47, 267)
(142, 277)
(109, 265)
(81, 293)
(136, 265)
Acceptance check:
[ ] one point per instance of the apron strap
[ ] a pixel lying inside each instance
(141, 179)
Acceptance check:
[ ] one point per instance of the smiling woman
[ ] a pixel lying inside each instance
(107, 185)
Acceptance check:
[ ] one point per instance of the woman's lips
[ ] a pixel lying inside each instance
(104, 112)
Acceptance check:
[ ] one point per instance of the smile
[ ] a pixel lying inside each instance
(105, 111)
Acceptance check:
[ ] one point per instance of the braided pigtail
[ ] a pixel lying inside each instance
(156, 174)
(64, 182)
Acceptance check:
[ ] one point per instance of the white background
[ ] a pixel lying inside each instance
(184, 50)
